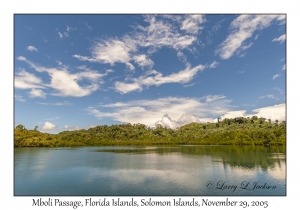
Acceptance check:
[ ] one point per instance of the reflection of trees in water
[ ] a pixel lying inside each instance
(242, 156)
(235, 156)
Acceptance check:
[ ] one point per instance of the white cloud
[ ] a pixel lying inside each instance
(60, 35)
(66, 34)
(111, 51)
(127, 87)
(243, 28)
(241, 72)
(181, 56)
(213, 64)
(25, 80)
(256, 37)
(149, 112)
(130, 66)
(189, 85)
(156, 78)
(19, 98)
(155, 35)
(167, 122)
(267, 96)
(275, 76)
(32, 48)
(192, 23)
(63, 82)
(65, 103)
(70, 28)
(233, 114)
(143, 61)
(34, 93)
(48, 126)
(276, 112)
(160, 33)
(186, 110)
(283, 67)
(280, 39)
(71, 128)
(210, 98)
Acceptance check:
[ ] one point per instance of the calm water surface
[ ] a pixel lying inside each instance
(150, 170)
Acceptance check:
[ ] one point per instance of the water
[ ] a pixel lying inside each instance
(150, 170)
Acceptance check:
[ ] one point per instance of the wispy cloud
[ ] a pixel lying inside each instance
(64, 103)
(214, 64)
(71, 128)
(32, 48)
(275, 76)
(60, 35)
(211, 98)
(70, 28)
(19, 98)
(62, 81)
(267, 96)
(160, 33)
(111, 52)
(88, 27)
(66, 34)
(243, 28)
(143, 61)
(190, 85)
(52, 118)
(156, 78)
(278, 89)
(25, 80)
(192, 23)
(283, 67)
(280, 39)
(37, 93)
(157, 33)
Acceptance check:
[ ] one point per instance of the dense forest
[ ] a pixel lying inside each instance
(237, 131)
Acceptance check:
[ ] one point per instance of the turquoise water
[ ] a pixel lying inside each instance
(150, 170)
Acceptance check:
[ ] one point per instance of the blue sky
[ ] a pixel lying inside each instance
(78, 71)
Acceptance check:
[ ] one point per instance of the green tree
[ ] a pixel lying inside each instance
(20, 127)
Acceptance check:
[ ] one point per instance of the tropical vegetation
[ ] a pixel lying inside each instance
(237, 131)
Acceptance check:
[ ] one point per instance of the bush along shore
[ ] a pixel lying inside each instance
(237, 131)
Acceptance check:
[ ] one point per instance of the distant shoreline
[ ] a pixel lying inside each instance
(237, 131)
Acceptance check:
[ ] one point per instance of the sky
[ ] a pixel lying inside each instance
(78, 71)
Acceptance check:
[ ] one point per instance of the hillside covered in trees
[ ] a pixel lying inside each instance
(237, 131)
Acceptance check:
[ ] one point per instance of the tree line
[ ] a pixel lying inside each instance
(236, 131)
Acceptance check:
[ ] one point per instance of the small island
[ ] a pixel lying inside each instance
(236, 131)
